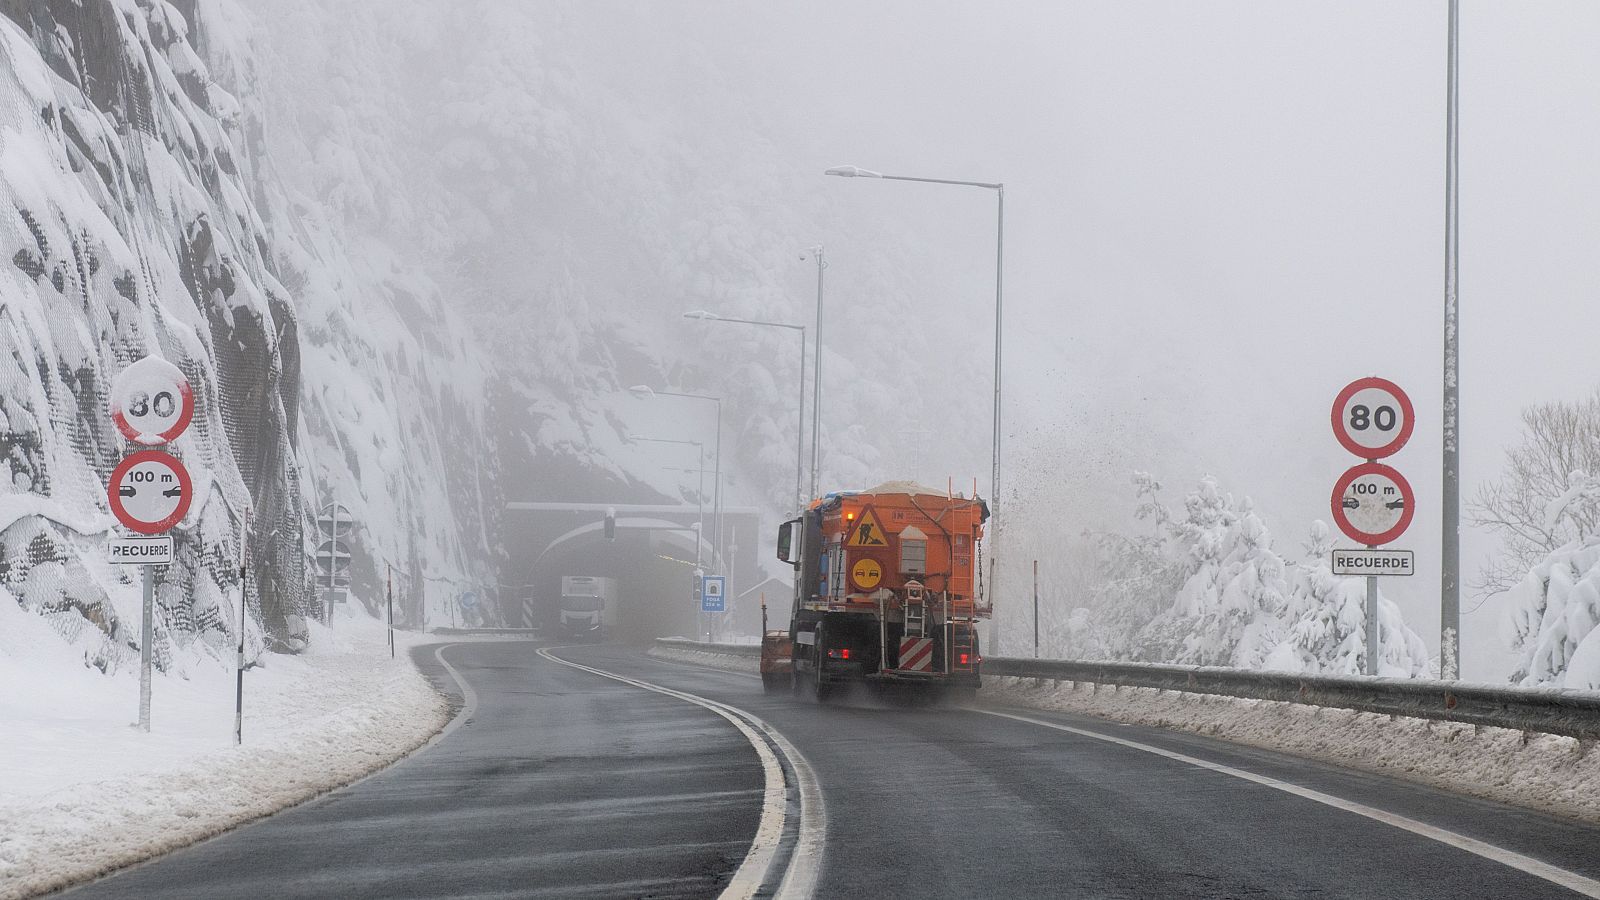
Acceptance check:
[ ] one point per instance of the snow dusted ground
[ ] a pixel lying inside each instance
(83, 792)
(1551, 773)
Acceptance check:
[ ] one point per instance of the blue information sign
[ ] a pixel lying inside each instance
(711, 598)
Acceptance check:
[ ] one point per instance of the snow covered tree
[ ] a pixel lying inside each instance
(1546, 498)
(1552, 618)
(1325, 623)
(1225, 612)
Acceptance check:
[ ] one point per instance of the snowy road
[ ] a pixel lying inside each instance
(566, 784)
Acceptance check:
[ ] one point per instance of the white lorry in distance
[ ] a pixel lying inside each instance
(588, 606)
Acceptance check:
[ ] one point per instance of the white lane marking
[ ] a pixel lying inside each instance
(469, 700)
(799, 880)
(1588, 887)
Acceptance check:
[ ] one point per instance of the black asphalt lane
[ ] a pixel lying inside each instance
(568, 784)
(946, 802)
(562, 784)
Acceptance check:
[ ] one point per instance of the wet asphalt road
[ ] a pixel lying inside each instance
(566, 784)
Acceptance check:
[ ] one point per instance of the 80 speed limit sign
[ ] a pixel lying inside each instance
(1373, 418)
(151, 402)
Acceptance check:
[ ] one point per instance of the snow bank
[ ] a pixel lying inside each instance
(708, 658)
(1546, 772)
(86, 793)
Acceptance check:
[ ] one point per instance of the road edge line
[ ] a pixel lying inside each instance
(1570, 880)
(797, 881)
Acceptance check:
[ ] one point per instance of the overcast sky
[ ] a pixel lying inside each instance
(1218, 214)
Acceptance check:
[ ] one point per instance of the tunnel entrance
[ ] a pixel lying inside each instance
(652, 559)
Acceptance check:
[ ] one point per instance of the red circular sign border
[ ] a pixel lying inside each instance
(1406, 494)
(121, 512)
(186, 393)
(1349, 443)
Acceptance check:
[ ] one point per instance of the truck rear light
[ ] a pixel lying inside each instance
(840, 654)
(965, 657)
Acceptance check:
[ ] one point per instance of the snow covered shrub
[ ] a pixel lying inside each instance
(1552, 618)
(1239, 603)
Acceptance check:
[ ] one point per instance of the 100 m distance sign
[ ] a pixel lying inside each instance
(1373, 504)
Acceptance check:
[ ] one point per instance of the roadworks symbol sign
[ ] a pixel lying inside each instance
(869, 531)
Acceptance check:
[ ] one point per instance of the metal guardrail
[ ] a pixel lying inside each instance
(751, 650)
(1552, 711)
(1547, 710)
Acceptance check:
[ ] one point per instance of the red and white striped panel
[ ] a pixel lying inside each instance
(916, 654)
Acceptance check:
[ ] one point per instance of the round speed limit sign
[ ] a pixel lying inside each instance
(151, 402)
(1373, 418)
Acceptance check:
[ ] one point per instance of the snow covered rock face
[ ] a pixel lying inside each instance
(1552, 618)
(127, 220)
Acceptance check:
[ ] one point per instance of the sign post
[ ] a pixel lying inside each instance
(713, 590)
(1372, 503)
(149, 491)
(333, 555)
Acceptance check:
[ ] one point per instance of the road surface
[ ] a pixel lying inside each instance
(565, 783)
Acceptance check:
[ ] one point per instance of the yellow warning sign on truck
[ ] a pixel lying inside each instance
(869, 531)
(866, 574)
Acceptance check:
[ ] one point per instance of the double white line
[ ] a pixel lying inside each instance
(786, 855)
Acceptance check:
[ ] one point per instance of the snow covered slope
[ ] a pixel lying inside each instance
(141, 214)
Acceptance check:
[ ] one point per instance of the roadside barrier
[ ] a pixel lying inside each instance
(1547, 710)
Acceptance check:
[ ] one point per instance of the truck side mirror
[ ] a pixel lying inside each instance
(786, 542)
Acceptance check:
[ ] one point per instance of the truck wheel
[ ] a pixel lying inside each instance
(773, 682)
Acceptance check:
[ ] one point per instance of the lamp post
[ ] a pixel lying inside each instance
(1450, 555)
(646, 392)
(700, 490)
(816, 374)
(999, 270)
(800, 426)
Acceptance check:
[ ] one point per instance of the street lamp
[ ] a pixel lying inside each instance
(999, 268)
(800, 426)
(645, 392)
(816, 374)
(700, 490)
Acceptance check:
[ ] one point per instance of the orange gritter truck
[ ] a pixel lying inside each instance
(887, 586)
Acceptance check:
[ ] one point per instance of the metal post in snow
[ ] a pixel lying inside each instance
(1450, 555)
(146, 638)
(1036, 609)
(333, 563)
(238, 677)
(389, 595)
(1373, 650)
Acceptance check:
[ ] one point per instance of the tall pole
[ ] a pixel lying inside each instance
(816, 376)
(700, 498)
(999, 268)
(994, 475)
(800, 432)
(716, 503)
(1036, 609)
(1450, 555)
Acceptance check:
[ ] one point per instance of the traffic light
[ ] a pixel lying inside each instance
(611, 524)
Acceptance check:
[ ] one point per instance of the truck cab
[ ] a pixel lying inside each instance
(588, 606)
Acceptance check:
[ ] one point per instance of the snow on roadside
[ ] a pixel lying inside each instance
(83, 792)
(1549, 772)
(710, 659)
